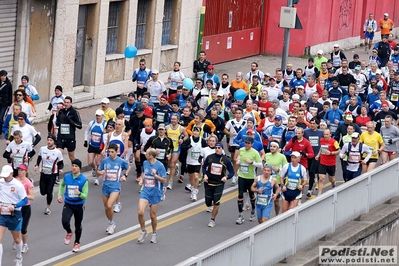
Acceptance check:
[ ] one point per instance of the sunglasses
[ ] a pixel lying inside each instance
(218, 148)
(20, 118)
(247, 142)
(19, 95)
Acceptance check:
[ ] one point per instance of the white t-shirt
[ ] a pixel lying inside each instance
(234, 127)
(12, 192)
(50, 158)
(19, 151)
(28, 132)
(155, 88)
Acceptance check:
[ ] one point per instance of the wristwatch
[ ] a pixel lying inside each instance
(125, 174)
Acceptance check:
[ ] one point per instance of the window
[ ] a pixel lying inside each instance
(113, 27)
(142, 8)
(167, 21)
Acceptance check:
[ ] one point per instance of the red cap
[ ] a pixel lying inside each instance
(211, 67)
(250, 130)
(385, 103)
(164, 97)
(23, 167)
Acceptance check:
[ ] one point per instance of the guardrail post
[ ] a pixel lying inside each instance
(295, 224)
(251, 248)
(334, 202)
(368, 194)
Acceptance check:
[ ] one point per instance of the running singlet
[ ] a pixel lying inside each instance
(194, 152)
(96, 133)
(264, 199)
(144, 137)
(293, 178)
(50, 158)
(118, 140)
(20, 152)
(234, 127)
(174, 134)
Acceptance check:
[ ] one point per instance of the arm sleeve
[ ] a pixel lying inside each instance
(61, 188)
(23, 202)
(85, 191)
(39, 159)
(37, 140)
(60, 165)
(77, 122)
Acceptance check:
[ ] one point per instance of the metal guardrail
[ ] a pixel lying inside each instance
(285, 234)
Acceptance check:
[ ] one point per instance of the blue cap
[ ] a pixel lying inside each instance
(219, 145)
(373, 77)
(278, 117)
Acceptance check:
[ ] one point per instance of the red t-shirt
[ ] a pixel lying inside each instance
(331, 145)
(264, 107)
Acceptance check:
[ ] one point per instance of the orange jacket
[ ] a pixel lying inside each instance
(191, 124)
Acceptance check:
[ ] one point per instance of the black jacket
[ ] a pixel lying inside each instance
(67, 117)
(6, 93)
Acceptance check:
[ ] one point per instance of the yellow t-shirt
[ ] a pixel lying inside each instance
(373, 141)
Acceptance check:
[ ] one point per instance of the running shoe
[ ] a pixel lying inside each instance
(209, 209)
(94, 172)
(317, 185)
(154, 238)
(246, 207)
(309, 194)
(252, 218)
(170, 186)
(163, 194)
(57, 180)
(240, 219)
(211, 223)
(138, 179)
(67, 239)
(118, 207)
(300, 202)
(131, 158)
(18, 261)
(188, 188)
(234, 181)
(25, 248)
(111, 229)
(47, 211)
(180, 180)
(96, 182)
(142, 236)
(168, 171)
(194, 195)
(177, 169)
(76, 248)
(333, 185)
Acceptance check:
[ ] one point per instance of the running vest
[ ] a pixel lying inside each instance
(288, 76)
(194, 152)
(292, 179)
(174, 134)
(310, 90)
(354, 156)
(127, 111)
(11, 124)
(236, 126)
(354, 111)
(337, 59)
(265, 198)
(144, 137)
(370, 25)
(118, 140)
(309, 71)
(322, 78)
(250, 75)
(206, 77)
(72, 183)
(288, 136)
(96, 133)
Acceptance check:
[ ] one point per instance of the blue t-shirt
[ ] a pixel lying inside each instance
(151, 186)
(113, 171)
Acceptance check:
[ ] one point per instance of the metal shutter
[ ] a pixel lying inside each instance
(8, 25)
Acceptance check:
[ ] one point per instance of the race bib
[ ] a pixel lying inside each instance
(386, 140)
(161, 154)
(262, 200)
(47, 169)
(354, 157)
(292, 184)
(71, 191)
(314, 141)
(140, 84)
(111, 175)
(65, 129)
(95, 137)
(4, 209)
(333, 127)
(17, 160)
(160, 117)
(149, 181)
(370, 29)
(195, 155)
(394, 97)
(324, 149)
(216, 169)
(244, 168)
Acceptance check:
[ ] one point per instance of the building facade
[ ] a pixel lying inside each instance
(79, 44)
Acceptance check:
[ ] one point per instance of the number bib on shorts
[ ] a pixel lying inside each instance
(4, 209)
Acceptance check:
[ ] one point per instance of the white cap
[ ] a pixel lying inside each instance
(105, 100)
(154, 71)
(296, 154)
(378, 71)
(336, 45)
(300, 87)
(220, 93)
(267, 74)
(303, 102)
(295, 97)
(386, 15)
(99, 112)
(320, 52)
(6, 171)
(355, 135)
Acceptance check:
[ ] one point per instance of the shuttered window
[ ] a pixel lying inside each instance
(142, 8)
(167, 21)
(113, 27)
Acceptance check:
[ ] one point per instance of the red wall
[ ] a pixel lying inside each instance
(322, 21)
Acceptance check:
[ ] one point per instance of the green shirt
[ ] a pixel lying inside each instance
(346, 139)
(245, 170)
(278, 160)
(83, 194)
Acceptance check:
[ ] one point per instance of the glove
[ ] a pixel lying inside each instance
(390, 141)
(294, 138)
(303, 154)
(364, 31)
(85, 144)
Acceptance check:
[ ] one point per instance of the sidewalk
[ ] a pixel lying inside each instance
(266, 64)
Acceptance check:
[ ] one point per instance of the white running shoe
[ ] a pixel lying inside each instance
(94, 172)
(211, 223)
(209, 209)
(252, 218)
(25, 248)
(18, 261)
(240, 219)
(177, 169)
(234, 181)
(246, 207)
(142, 236)
(154, 238)
(111, 229)
(194, 194)
(47, 211)
(118, 207)
(188, 188)
(96, 182)
(163, 194)
(170, 185)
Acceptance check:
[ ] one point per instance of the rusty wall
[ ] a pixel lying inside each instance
(114, 70)
(168, 57)
(40, 46)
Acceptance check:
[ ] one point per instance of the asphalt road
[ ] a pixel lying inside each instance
(182, 230)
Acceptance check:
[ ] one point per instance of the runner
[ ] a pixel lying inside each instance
(352, 152)
(153, 179)
(18, 151)
(12, 198)
(214, 169)
(267, 190)
(49, 163)
(194, 144)
(75, 189)
(294, 180)
(95, 131)
(390, 135)
(111, 168)
(178, 134)
(276, 160)
(26, 210)
(329, 149)
(248, 159)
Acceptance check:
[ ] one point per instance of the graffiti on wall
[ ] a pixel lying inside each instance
(345, 13)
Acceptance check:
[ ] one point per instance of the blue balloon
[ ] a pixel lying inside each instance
(240, 95)
(188, 83)
(130, 51)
